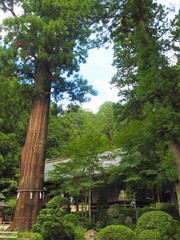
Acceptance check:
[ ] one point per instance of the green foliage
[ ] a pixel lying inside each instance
(55, 36)
(147, 118)
(149, 234)
(14, 105)
(83, 141)
(11, 202)
(177, 234)
(113, 211)
(79, 232)
(168, 208)
(72, 218)
(119, 215)
(66, 128)
(57, 202)
(105, 120)
(128, 221)
(116, 232)
(52, 223)
(31, 235)
(175, 33)
(156, 220)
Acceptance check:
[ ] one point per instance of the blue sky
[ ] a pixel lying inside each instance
(98, 71)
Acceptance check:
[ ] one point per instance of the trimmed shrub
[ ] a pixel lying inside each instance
(53, 224)
(79, 233)
(71, 218)
(116, 232)
(177, 234)
(50, 225)
(149, 234)
(156, 220)
(57, 202)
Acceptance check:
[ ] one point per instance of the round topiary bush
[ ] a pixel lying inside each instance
(156, 220)
(116, 232)
(149, 234)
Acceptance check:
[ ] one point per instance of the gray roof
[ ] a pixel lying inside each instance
(3, 205)
(108, 158)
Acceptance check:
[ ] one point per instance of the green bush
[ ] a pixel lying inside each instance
(149, 234)
(57, 202)
(156, 220)
(116, 232)
(71, 218)
(53, 224)
(50, 225)
(115, 221)
(169, 208)
(59, 230)
(177, 234)
(80, 233)
(33, 236)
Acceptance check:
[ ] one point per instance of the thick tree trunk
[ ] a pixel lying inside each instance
(30, 189)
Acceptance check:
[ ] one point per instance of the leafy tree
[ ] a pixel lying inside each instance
(78, 174)
(148, 86)
(14, 115)
(45, 45)
(62, 128)
(105, 120)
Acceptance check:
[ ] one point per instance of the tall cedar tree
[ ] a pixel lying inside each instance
(144, 78)
(46, 44)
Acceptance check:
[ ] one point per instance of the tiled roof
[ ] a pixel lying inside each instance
(108, 158)
(2, 204)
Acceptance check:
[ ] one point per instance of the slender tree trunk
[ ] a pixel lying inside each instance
(173, 196)
(176, 150)
(178, 195)
(30, 188)
(158, 196)
(89, 203)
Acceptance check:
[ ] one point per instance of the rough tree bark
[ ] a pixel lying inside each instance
(176, 149)
(30, 188)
